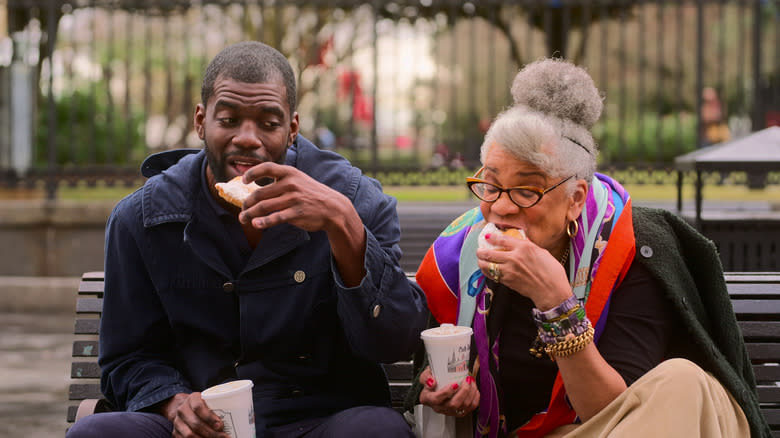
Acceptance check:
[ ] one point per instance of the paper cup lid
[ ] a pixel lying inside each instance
(446, 331)
(226, 389)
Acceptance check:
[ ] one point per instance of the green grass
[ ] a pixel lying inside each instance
(96, 193)
(644, 192)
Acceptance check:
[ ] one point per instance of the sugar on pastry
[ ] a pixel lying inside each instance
(491, 228)
(235, 191)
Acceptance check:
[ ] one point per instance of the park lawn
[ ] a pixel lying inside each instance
(643, 192)
(639, 192)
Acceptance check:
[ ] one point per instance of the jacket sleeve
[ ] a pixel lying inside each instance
(135, 338)
(384, 315)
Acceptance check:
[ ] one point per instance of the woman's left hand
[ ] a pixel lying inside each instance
(526, 268)
(455, 400)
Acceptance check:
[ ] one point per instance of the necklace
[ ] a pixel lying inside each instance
(565, 257)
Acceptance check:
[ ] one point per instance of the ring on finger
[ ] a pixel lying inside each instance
(495, 271)
(460, 412)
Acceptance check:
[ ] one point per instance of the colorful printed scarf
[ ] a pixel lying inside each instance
(456, 291)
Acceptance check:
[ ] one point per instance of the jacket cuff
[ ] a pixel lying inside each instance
(373, 263)
(156, 397)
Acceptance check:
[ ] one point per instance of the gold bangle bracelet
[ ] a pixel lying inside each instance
(571, 346)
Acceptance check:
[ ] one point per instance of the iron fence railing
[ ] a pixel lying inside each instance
(90, 87)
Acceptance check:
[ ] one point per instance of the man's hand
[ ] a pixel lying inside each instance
(191, 417)
(294, 198)
(297, 199)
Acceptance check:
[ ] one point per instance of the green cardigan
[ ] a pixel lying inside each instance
(688, 266)
(686, 263)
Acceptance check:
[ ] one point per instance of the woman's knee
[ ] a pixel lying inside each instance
(681, 372)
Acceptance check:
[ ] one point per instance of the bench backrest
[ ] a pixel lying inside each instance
(755, 298)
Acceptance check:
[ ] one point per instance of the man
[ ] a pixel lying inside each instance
(300, 290)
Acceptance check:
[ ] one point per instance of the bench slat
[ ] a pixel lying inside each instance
(769, 394)
(760, 330)
(88, 348)
(92, 287)
(89, 305)
(87, 326)
(72, 409)
(92, 276)
(81, 391)
(772, 416)
(747, 308)
(767, 373)
(763, 351)
(403, 371)
(398, 393)
(757, 290)
(751, 277)
(85, 370)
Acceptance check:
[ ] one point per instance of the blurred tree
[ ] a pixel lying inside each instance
(556, 18)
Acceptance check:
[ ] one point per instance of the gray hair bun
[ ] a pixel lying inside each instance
(558, 88)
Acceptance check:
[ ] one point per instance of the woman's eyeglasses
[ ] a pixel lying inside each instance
(522, 196)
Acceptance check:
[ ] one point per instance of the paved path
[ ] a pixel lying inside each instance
(35, 351)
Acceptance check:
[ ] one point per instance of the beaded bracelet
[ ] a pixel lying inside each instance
(558, 323)
(554, 332)
(570, 346)
(558, 311)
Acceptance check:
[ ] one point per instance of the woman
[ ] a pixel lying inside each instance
(577, 316)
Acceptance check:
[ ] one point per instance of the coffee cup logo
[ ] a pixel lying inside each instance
(458, 362)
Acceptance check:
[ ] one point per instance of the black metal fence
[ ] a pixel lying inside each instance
(90, 87)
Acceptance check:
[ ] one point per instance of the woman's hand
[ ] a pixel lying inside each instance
(456, 400)
(526, 268)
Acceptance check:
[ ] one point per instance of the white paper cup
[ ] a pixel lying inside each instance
(232, 402)
(447, 348)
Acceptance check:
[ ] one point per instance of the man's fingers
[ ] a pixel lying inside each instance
(195, 419)
(204, 414)
(263, 173)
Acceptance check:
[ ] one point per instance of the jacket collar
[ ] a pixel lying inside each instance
(168, 194)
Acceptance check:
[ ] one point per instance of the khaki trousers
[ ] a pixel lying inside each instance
(674, 399)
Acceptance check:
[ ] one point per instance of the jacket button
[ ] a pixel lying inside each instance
(295, 393)
(646, 251)
(375, 312)
(299, 276)
(228, 287)
(304, 358)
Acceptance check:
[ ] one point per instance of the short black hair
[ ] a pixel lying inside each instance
(252, 62)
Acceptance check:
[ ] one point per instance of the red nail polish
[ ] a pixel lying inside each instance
(454, 386)
(469, 380)
(430, 382)
(487, 236)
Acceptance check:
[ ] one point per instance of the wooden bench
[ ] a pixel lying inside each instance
(755, 297)
(84, 391)
(421, 224)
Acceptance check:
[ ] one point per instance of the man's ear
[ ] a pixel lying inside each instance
(198, 119)
(294, 128)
